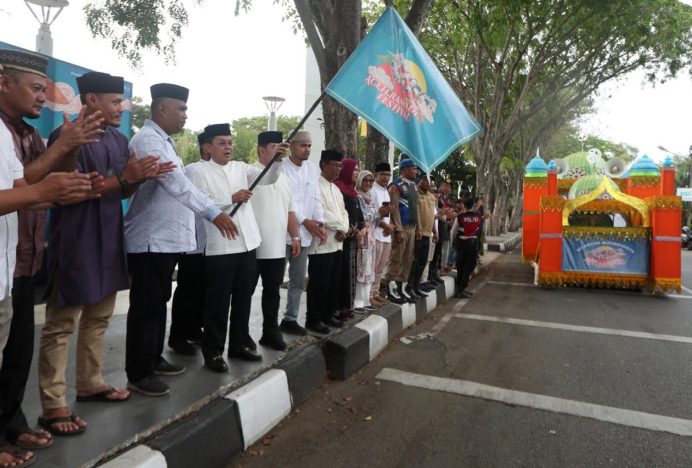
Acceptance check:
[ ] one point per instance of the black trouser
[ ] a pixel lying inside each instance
(436, 262)
(466, 262)
(347, 285)
(272, 272)
(187, 311)
(151, 275)
(229, 283)
(420, 257)
(324, 273)
(16, 361)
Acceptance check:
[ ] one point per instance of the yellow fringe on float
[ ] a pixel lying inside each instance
(591, 280)
(588, 232)
(668, 202)
(565, 184)
(645, 181)
(668, 284)
(552, 203)
(535, 181)
(607, 186)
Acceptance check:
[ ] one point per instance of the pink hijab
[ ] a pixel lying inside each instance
(344, 182)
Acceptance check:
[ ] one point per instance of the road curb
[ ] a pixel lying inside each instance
(504, 246)
(229, 425)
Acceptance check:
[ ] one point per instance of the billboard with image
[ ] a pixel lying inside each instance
(62, 96)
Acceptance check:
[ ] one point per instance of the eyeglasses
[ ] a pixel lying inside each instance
(368, 180)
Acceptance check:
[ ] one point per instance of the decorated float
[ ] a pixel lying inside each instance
(592, 223)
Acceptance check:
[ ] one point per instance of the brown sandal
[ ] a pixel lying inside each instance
(42, 434)
(18, 453)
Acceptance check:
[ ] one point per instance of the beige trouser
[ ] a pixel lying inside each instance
(382, 252)
(401, 258)
(53, 348)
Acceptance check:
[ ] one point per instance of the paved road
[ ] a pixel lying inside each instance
(518, 376)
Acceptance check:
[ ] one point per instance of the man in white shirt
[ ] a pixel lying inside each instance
(230, 264)
(15, 194)
(187, 308)
(159, 227)
(303, 176)
(273, 208)
(383, 233)
(325, 258)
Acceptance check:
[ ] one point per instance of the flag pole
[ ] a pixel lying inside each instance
(277, 156)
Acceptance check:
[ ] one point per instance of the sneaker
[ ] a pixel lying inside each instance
(166, 368)
(359, 310)
(149, 386)
(292, 327)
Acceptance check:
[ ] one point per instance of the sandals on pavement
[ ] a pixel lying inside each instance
(47, 424)
(102, 397)
(40, 434)
(18, 454)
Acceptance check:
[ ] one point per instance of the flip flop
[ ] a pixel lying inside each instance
(101, 397)
(17, 453)
(47, 424)
(32, 445)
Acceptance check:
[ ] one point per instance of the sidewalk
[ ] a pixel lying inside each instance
(196, 395)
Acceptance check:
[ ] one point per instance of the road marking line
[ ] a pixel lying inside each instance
(674, 296)
(624, 417)
(686, 289)
(577, 328)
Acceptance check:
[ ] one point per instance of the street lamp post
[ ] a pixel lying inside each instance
(44, 40)
(273, 104)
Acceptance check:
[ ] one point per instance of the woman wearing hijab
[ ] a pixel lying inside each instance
(347, 184)
(365, 257)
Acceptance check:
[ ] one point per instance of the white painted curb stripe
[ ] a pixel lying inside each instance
(408, 315)
(378, 332)
(652, 422)
(449, 286)
(431, 301)
(578, 328)
(140, 457)
(262, 404)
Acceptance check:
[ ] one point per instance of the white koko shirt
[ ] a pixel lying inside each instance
(10, 170)
(335, 218)
(306, 196)
(219, 183)
(271, 204)
(379, 195)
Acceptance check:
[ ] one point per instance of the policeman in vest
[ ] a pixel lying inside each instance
(466, 231)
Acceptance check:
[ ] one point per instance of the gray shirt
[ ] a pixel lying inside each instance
(160, 216)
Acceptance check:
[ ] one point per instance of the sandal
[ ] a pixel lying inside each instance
(102, 397)
(47, 424)
(33, 445)
(18, 454)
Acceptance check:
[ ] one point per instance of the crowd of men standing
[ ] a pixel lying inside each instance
(343, 228)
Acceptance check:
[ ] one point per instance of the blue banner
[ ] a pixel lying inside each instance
(606, 255)
(62, 95)
(392, 83)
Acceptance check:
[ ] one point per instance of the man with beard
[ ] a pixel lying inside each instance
(303, 176)
(23, 86)
(86, 275)
(159, 227)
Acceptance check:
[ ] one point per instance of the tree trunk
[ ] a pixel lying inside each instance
(376, 148)
(340, 128)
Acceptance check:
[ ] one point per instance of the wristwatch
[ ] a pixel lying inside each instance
(295, 239)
